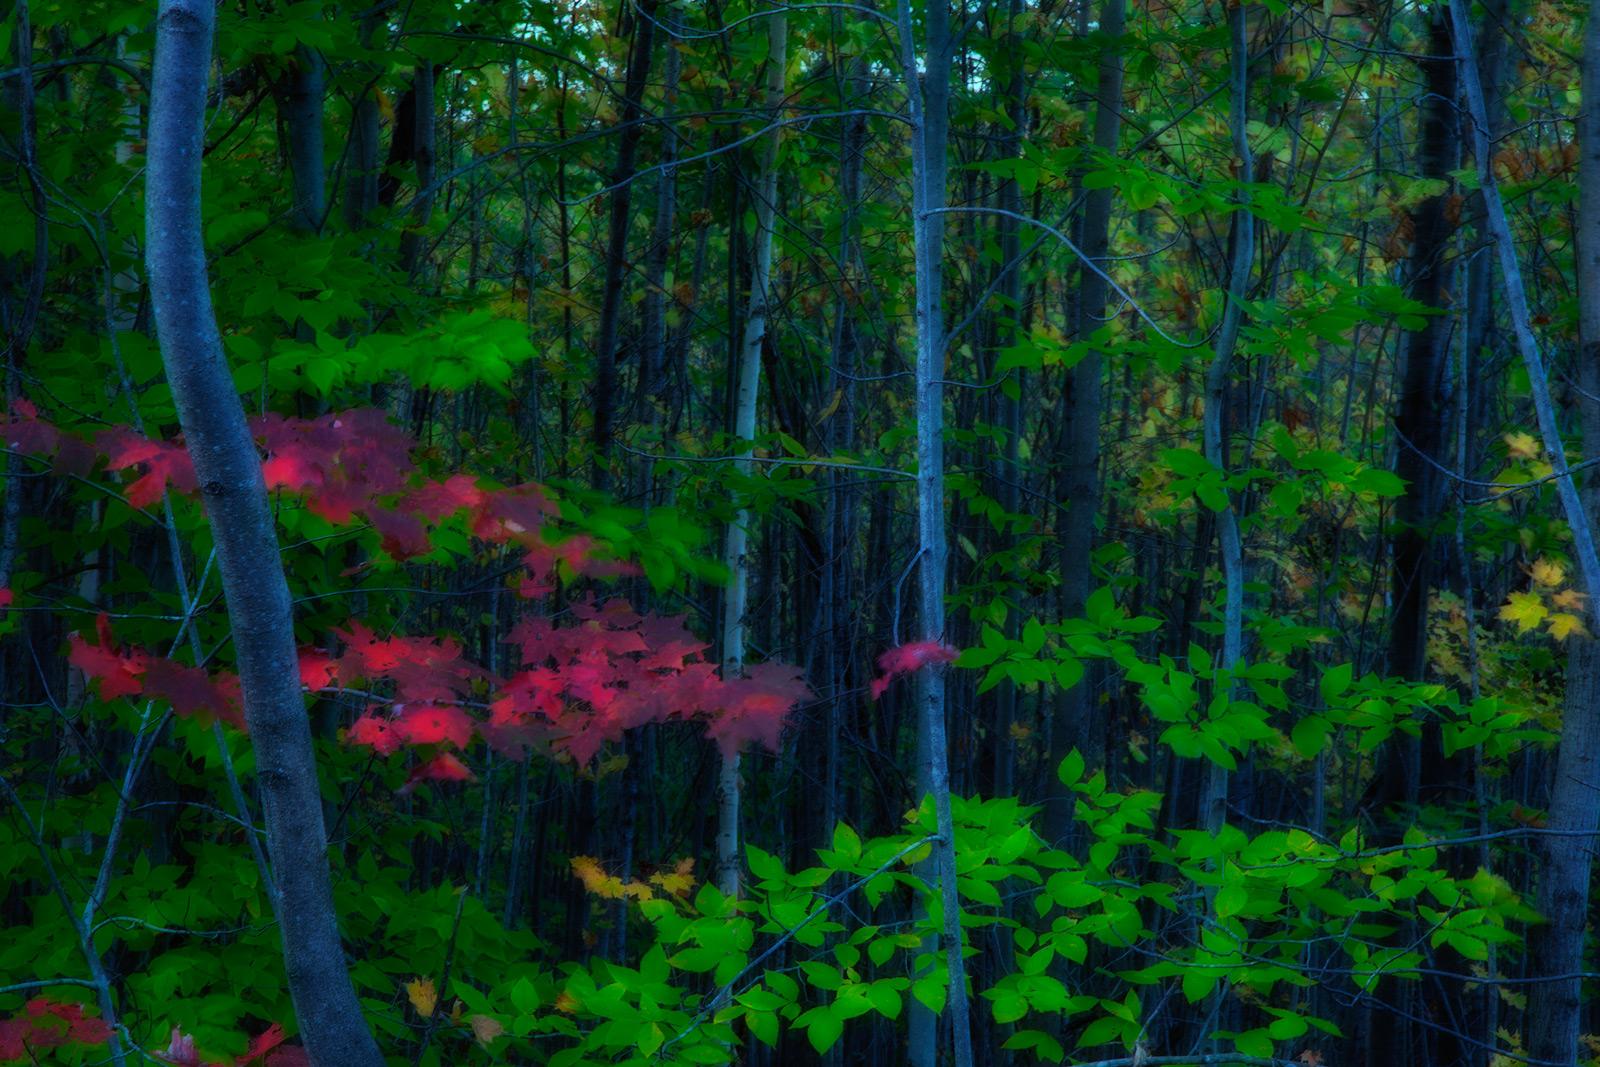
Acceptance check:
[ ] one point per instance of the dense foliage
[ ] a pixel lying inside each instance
(1266, 650)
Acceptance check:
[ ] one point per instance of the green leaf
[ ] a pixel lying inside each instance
(1335, 680)
(1309, 735)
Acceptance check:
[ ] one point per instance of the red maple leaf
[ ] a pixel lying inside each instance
(442, 768)
(117, 671)
(7, 598)
(403, 535)
(45, 1024)
(906, 658)
(318, 670)
(190, 690)
(431, 724)
(377, 732)
(753, 708)
(163, 461)
(436, 500)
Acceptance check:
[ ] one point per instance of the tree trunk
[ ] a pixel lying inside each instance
(1555, 948)
(621, 198)
(736, 536)
(929, 100)
(1075, 718)
(228, 469)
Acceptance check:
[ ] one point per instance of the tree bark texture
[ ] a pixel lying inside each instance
(228, 469)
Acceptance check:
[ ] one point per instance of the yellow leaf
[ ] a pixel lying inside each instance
(1021, 731)
(1523, 446)
(1524, 609)
(1570, 599)
(679, 881)
(423, 997)
(567, 1003)
(1547, 573)
(1563, 624)
(833, 405)
(485, 1028)
(595, 879)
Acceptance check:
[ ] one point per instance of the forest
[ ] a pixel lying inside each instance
(944, 533)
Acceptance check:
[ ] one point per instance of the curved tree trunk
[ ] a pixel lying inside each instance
(228, 468)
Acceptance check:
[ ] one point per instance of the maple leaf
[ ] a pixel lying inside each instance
(442, 768)
(422, 996)
(594, 878)
(515, 514)
(191, 691)
(117, 672)
(909, 657)
(164, 462)
(180, 1050)
(265, 1042)
(377, 732)
(679, 880)
(1310, 1057)
(1522, 445)
(1527, 610)
(1547, 573)
(431, 724)
(7, 598)
(436, 500)
(753, 708)
(403, 535)
(318, 670)
(1563, 625)
(485, 1028)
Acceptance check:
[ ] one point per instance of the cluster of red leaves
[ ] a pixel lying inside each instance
(909, 657)
(342, 464)
(578, 687)
(130, 672)
(43, 1024)
(267, 1049)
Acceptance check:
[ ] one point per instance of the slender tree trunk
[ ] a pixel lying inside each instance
(929, 104)
(361, 156)
(301, 104)
(621, 200)
(1241, 254)
(413, 242)
(1075, 720)
(228, 468)
(736, 536)
(1556, 948)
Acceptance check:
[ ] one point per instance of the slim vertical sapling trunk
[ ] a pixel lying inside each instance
(228, 469)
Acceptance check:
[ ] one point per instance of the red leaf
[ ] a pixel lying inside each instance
(318, 670)
(431, 724)
(288, 1056)
(753, 708)
(436, 500)
(443, 768)
(403, 535)
(116, 671)
(379, 733)
(264, 1043)
(180, 1050)
(164, 461)
(190, 690)
(907, 658)
(6, 598)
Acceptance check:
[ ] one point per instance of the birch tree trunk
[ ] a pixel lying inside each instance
(736, 535)
(228, 468)
(928, 99)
